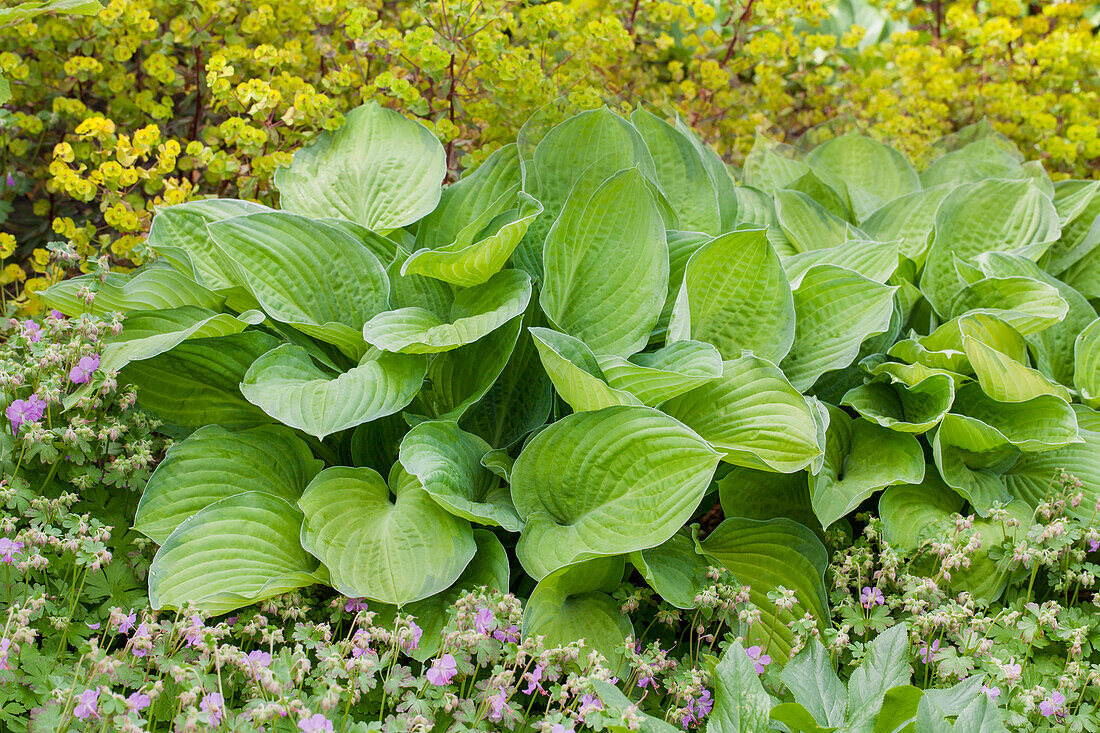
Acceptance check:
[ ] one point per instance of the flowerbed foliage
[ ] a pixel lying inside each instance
(153, 103)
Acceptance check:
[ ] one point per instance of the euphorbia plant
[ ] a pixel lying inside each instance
(396, 388)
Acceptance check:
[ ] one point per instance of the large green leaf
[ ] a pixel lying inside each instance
(447, 461)
(771, 166)
(197, 383)
(1086, 364)
(894, 403)
(476, 311)
(970, 457)
(993, 215)
(286, 384)
(390, 551)
(860, 458)
(154, 289)
(674, 569)
(572, 603)
(910, 512)
(836, 310)
(720, 176)
(806, 223)
(766, 555)
(908, 219)
(1033, 474)
(665, 373)
(576, 373)
(753, 416)
(874, 260)
(1078, 205)
(978, 160)
(214, 464)
(681, 172)
(379, 169)
(735, 295)
(1039, 424)
(606, 265)
(814, 684)
(1026, 304)
(681, 246)
(740, 703)
(606, 482)
(315, 277)
(1006, 379)
(885, 667)
(873, 173)
(232, 553)
(754, 494)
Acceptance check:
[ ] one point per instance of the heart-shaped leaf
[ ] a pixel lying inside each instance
(575, 372)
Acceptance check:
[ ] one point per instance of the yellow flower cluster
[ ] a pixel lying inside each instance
(154, 102)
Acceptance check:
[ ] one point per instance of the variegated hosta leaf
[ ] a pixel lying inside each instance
(720, 176)
(447, 461)
(197, 382)
(860, 458)
(665, 373)
(156, 289)
(213, 464)
(977, 160)
(832, 198)
(606, 482)
(1086, 364)
(764, 556)
(573, 603)
(315, 277)
(180, 235)
(606, 265)
(992, 215)
(232, 553)
(873, 173)
(674, 569)
(836, 310)
(575, 372)
(753, 416)
(379, 169)
(735, 296)
(476, 311)
(394, 551)
(286, 384)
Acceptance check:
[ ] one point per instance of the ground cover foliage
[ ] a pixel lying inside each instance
(548, 372)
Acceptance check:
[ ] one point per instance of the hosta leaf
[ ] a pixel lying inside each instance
(606, 482)
(149, 333)
(860, 458)
(836, 310)
(606, 265)
(757, 211)
(286, 384)
(475, 312)
(833, 200)
(379, 169)
(982, 715)
(806, 223)
(765, 555)
(981, 159)
(970, 457)
(392, 551)
(740, 703)
(179, 234)
(310, 275)
(910, 512)
(157, 289)
(674, 569)
(771, 166)
(735, 295)
(663, 374)
(232, 553)
(681, 246)
(873, 173)
(411, 290)
(451, 386)
(753, 416)
(1005, 379)
(197, 383)
(993, 215)
(719, 172)
(576, 373)
(1026, 304)
(681, 173)
(1033, 474)
(908, 219)
(214, 464)
(753, 494)
(447, 460)
(1086, 364)
(874, 260)
(1085, 275)
(900, 406)
(1038, 424)
(1078, 205)
(572, 603)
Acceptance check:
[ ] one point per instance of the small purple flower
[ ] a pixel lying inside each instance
(26, 412)
(704, 704)
(87, 705)
(9, 549)
(496, 706)
(559, 728)
(534, 680)
(484, 622)
(928, 653)
(991, 692)
(1094, 545)
(213, 705)
(415, 632)
(231, 621)
(355, 605)
(442, 671)
(259, 658)
(5, 650)
(56, 314)
(137, 702)
(760, 660)
(688, 719)
(127, 623)
(142, 634)
(32, 331)
(316, 723)
(646, 681)
(589, 704)
(93, 627)
(9, 179)
(195, 631)
(82, 372)
(871, 597)
(1053, 705)
(510, 634)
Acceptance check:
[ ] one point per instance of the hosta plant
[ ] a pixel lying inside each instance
(566, 358)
